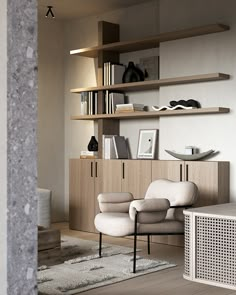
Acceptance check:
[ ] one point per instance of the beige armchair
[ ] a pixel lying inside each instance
(159, 213)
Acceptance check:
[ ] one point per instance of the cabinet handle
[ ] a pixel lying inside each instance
(91, 169)
(123, 170)
(96, 169)
(187, 172)
(181, 172)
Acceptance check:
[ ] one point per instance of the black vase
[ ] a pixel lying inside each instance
(132, 74)
(93, 144)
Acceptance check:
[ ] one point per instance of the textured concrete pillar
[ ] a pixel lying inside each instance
(18, 173)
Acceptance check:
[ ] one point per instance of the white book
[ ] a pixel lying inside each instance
(108, 150)
(117, 72)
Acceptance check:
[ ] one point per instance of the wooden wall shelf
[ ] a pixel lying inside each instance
(140, 115)
(152, 42)
(155, 84)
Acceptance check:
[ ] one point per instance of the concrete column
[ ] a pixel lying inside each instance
(18, 173)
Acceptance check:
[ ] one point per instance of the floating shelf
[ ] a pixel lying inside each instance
(155, 84)
(140, 115)
(152, 42)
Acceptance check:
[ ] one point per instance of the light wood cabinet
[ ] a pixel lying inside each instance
(88, 178)
(81, 189)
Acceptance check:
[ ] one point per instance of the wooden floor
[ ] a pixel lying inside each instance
(165, 282)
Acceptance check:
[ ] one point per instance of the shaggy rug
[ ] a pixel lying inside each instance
(82, 269)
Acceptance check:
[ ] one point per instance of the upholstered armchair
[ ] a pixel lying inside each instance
(159, 213)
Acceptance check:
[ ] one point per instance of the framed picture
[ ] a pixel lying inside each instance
(147, 143)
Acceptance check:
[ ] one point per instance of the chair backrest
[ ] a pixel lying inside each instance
(179, 193)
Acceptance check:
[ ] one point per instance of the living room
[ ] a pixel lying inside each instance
(61, 139)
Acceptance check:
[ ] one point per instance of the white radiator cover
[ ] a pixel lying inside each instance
(210, 245)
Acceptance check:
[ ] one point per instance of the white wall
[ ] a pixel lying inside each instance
(203, 54)
(51, 112)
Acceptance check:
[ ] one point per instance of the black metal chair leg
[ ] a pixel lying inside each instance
(135, 242)
(100, 244)
(148, 240)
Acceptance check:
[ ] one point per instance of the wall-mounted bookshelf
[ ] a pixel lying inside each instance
(155, 84)
(140, 115)
(151, 42)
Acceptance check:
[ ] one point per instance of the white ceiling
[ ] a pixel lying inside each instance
(71, 9)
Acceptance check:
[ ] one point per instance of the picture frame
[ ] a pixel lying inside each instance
(147, 144)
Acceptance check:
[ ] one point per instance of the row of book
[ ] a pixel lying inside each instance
(112, 99)
(89, 103)
(115, 147)
(114, 102)
(112, 73)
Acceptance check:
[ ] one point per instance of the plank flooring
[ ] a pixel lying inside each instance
(166, 282)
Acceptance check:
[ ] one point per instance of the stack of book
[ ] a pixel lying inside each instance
(113, 73)
(112, 99)
(115, 147)
(89, 103)
(88, 155)
(129, 107)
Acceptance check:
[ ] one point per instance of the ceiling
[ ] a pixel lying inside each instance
(71, 9)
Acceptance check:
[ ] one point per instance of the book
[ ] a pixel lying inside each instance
(164, 108)
(120, 146)
(117, 72)
(88, 155)
(115, 99)
(108, 151)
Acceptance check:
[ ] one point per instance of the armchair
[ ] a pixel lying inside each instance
(159, 213)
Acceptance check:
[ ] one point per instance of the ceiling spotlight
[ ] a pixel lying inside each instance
(50, 12)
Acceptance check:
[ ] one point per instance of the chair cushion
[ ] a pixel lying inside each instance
(114, 224)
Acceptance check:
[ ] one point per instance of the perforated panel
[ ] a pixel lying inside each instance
(216, 250)
(187, 245)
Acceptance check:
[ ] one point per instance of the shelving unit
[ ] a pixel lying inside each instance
(108, 50)
(140, 115)
(151, 42)
(155, 84)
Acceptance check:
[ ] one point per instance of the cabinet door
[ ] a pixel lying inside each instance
(98, 174)
(111, 176)
(136, 177)
(212, 180)
(81, 188)
(173, 170)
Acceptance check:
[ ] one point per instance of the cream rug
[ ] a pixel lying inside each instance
(82, 269)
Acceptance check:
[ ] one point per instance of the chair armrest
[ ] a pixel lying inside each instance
(115, 202)
(149, 210)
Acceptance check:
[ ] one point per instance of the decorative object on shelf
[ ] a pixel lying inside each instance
(169, 108)
(186, 103)
(147, 144)
(189, 150)
(193, 157)
(132, 74)
(93, 144)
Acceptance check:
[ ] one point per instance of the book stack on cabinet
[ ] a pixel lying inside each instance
(115, 147)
